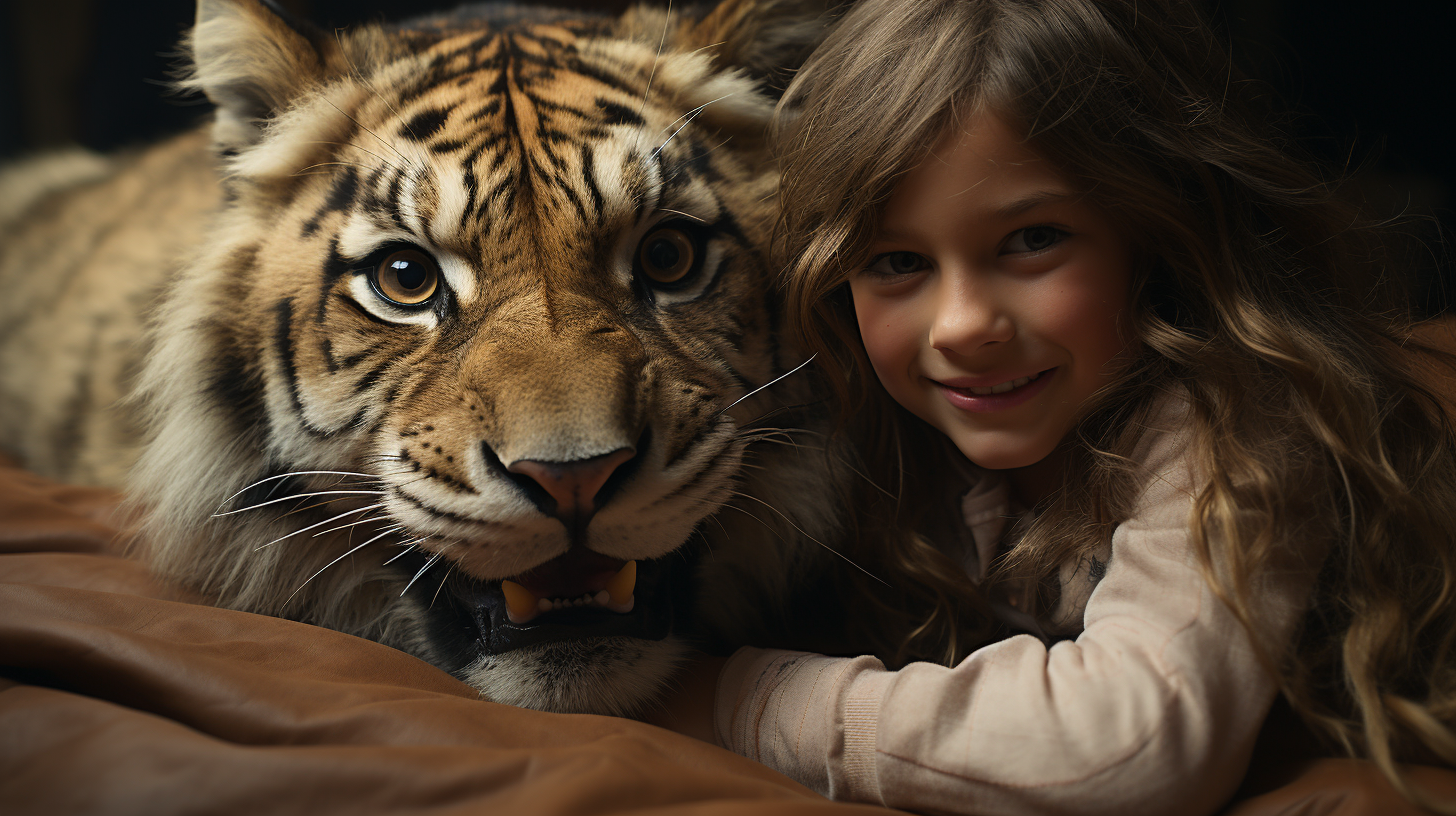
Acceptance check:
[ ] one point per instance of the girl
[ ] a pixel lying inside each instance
(1051, 255)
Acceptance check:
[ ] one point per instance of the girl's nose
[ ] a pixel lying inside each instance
(969, 317)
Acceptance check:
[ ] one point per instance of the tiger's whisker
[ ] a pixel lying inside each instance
(387, 163)
(683, 214)
(767, 384)
(750, 433)
(706, 47)
(780, 435)
(338, 37)
(409, 547)
(423, 570)
(370, 520)
(303, 171)
(691, 115)
(436, 596)
(714, 148)
(780, 439)
(791, 523)
(364, 509)
(393, 529)
(307, 507)
(297, 496)
(292, 474)
(326, 566)
(769, 414)
(656, 58)
(366, 130)
(416, 480)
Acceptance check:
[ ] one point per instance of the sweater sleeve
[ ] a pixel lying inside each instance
(1153, 708)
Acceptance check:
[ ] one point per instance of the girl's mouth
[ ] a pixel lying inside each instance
(1003, 387)
(997, 397)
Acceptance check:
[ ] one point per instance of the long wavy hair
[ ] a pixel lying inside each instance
(1260, 296)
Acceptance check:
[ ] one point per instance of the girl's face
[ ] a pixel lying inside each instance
(996, 297)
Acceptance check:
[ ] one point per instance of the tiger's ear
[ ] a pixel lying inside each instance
(766, 38)
(252, 60)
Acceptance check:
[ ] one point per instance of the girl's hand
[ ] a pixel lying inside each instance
(687, 708)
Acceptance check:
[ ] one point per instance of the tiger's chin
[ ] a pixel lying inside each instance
(596, 675)
(582, 633)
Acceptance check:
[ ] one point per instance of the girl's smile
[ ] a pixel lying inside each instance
(962, 393)
(996, 297)
(1076, 248)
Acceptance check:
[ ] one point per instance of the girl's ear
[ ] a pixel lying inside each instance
(766, 38)
(252, 60)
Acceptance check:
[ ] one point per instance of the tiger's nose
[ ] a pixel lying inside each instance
(573, 485)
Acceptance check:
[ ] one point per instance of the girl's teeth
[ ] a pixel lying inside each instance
(1003, 387)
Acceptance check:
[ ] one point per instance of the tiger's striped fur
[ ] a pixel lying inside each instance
(318, 448)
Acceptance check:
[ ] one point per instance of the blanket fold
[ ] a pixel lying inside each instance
(120, 694)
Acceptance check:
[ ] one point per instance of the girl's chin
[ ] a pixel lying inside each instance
(1004, 454)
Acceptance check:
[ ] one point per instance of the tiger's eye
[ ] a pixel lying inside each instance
(408, 277)
(666, 255)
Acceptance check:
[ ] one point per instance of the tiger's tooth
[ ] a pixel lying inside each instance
(521, 604)
(619, 589)
(620, 608)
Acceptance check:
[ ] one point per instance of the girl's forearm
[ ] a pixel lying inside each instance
(688, 706)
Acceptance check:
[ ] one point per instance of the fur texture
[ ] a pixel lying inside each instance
(583, 218)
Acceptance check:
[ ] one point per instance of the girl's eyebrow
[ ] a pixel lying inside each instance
(1031, 201)
(1001, 212)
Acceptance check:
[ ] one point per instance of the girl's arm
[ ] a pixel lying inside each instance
(688, 708)
(1154, 708)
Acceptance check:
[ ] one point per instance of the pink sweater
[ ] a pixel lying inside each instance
(1152, 709)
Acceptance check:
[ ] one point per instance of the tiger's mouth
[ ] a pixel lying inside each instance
(580, 594)
(572, 581)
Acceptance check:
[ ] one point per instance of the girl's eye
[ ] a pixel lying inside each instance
(896, 263)
(406, 277)
(1034, 239)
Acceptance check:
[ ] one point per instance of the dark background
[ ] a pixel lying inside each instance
(1370, 83)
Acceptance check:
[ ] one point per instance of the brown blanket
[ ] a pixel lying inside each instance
(121, 695)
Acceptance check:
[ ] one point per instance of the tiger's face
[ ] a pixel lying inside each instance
(462, 367)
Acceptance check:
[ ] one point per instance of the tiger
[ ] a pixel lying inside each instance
(457, 334)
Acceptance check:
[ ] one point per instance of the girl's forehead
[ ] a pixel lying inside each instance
(981, 159)
(983, 133)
